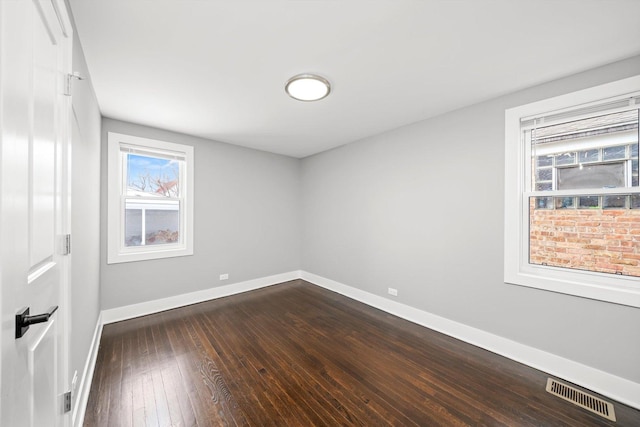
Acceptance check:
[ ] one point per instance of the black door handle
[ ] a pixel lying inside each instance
(23, 320)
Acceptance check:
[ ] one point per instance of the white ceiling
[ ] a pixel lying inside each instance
(217, 68)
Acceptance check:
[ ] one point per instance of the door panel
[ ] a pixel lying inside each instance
(42, 375)
(42, 139)
(34, 117)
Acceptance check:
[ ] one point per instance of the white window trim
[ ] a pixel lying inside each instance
(517, 270)
(116, 252)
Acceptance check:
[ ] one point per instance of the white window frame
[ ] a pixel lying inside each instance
(117, 252)
(517, 270)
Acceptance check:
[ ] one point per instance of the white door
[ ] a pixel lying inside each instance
(35, 42)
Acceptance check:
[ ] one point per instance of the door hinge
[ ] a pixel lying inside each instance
(66, 244)
(67, 83)
(67, 401)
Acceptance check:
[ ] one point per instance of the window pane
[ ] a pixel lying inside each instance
(584, 143)
(152, 176)
(565, 159)
(606, 175)
(614, 153)
(544, 202)
(564, 203)
(545, 174)
(614, 202)
(132, 227)
(583, 240)
(544, 186)
(542, 161)
(162, 226)
(588, 202)
(588, 156)
(635, 201)
(151, 222)
(634, 173)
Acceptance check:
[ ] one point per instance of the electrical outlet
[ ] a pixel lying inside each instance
(393, 292)
(224, 276)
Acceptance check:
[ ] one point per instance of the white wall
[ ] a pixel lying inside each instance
(420, 209)
(85, 216)
(247, 222)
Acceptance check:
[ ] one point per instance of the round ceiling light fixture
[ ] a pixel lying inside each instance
(307, 87)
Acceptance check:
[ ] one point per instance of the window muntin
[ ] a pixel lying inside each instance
(529, 191)
(150, 212)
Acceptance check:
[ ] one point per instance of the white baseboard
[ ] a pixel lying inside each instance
(149, 307)
(614, 387)
(82, 396)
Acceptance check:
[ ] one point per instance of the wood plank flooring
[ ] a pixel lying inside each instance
(295, 354)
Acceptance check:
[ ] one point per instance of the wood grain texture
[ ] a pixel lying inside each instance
(295, 354)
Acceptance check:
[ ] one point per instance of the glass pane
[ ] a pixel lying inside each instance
(614, 202)
(152, 176)
(634, 173)
(583, 240)
(565, 159)
(132, 227)
(606, 175)
(544, 187)
(545, 174)
(151, 222)
(635, 201)
(588, 202)
(565, 203)
(544, 161)
(162, 226)
(584, 143)
(544, 203)
(614, 153)
(588, 156)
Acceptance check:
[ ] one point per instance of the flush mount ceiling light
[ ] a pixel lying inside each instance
(307, 87)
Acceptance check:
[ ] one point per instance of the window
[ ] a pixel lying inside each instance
(572, 198)
(150, 199)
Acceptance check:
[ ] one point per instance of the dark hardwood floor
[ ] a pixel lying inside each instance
(298, 355)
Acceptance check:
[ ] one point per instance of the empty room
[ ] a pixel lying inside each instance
(319, 213)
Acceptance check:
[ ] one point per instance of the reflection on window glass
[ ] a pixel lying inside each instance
(544, 186)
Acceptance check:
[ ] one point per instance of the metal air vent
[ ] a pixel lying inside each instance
(582, 399)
